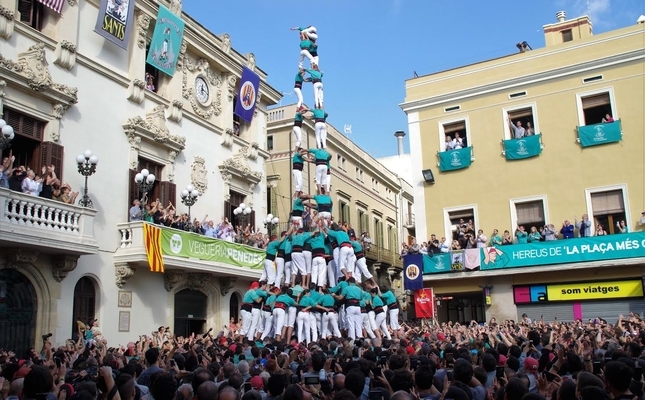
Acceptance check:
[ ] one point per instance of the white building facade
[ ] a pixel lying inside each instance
(65, 89)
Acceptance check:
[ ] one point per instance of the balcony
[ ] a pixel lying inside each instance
(48, 226)
(382, 255)
(185, 252)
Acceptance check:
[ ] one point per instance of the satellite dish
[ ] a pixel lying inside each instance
(347, 129)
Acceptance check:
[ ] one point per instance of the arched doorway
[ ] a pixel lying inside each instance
(234, 307)
(190, 312)
(84, 304)
(18, 308)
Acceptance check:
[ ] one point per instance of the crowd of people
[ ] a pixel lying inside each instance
(25, 180)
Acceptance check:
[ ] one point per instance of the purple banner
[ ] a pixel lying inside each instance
(248, 95)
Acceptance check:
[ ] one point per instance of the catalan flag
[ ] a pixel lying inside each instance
(152, 240)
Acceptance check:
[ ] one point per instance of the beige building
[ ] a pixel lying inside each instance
(578, 162)
(366, 195)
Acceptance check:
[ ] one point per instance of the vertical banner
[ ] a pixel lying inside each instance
(247, 97)
(424, 303)
(413, 271)
(166, 41)
(115, 21)
(152, 241)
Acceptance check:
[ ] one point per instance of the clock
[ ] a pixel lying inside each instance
(202, 92)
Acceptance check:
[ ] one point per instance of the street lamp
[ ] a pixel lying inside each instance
(270, 222)
(87, 167)
(144, 181)
(242, 212)
(189, 197)
(7, 135)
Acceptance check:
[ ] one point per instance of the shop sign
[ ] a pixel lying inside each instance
(578, 291)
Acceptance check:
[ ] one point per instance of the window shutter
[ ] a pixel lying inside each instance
(252, 219)
(168, 193)
(52, 154)
(610, 202)
(25, 10)
(133, 192)
(346, 217)
(596, 100)
(529, 212)
(227, 211)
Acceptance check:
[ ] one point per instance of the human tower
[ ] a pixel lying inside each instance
(311, 280)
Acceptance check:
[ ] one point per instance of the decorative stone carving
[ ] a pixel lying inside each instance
(72, 3)
(197, 281)
(227, 138)
(143, 22)
(226, 43)
(231, 80)
(63, 265)
(171, 279)
(250, 61)
(175, 7)
(134, 140)
(59, 110)
(22, 256)
(214, 79)
(31, 70)
(226, 284)
(182, 55)
(6, 22)
(65, 54)
(154, 127)
(199, 175)
(136, 91)
(123, 272)
(176, 113)
(253, 153)
(238, 166)
(172, 155)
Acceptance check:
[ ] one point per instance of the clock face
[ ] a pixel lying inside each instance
(201, 90)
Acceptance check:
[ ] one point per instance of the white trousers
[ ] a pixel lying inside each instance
(360, 268)
(247, 319)
(344, 257)
(320, 129)
(255, 321)
(304, 327)
(297, 132)
(298, 264)
(305, 53)
(330, 325)
(382, 325)
(342, 318)
(278, 320)
(314, 318)
(371, 317)
(307, 255)
(297, 178)
(287, 272)
(279, 271)
(367, 326)
(311, 33)
(321, 173)
(298, 93)
(319, 271)
(318, 94)
(328, 182)
(269, 271)
(267, 331)
(332, 274)
(394, 319)
(291, 316)
(354, 322)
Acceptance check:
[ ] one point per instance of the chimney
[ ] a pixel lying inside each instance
(399, 138)
(561, 16)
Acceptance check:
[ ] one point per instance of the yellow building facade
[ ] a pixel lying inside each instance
(368, 196)
(583, 97)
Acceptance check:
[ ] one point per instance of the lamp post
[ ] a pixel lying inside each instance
(7, 135)
(86, 163)
(242, 212)
(270, 222)
(144, 181)
(189, 198)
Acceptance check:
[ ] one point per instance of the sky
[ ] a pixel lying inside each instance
(368, 48)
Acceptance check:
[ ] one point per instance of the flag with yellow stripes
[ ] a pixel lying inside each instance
(152, 240)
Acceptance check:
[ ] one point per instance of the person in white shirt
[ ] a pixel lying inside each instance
(518, 131)
(32, 185)
(457, 142)
(135, 211)
(481, 239)
(444, 246)
(450, 144)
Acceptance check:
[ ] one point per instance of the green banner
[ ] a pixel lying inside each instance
(452, 160)
(190, 245)
(166, 41)
(526, 147)
(593, 248)
(594, 135)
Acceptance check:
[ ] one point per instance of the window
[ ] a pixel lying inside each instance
(237, 121)
(451, 129)
(608, 209)
(32, 13)
(392, 239)
(359, 174)
(164, 191)
(343, 212)
(375, 185)
(522, 116)
(229, 206)
(378, 232)
(388, 193)
(27, 143)
(594, 106)
(364, 221)
(457, 217)
(270, 142)
(567, 36)
(84, 303)
(530, 214)
(272, 201)
(340, 161)
(152, 75)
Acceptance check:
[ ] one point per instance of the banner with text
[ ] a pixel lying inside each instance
(115, 21)
(452, 160)
(593, 135)
(248, 95)
(593, 248)
(526, 147)
(166, 41)
(578, 291)
(190, 245)
(424, 303)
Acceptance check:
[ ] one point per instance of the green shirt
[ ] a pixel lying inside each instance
(317, 241)
(356, 246)
(315, 75)
(299, 79)
(522, 237)
(339, 236)
(250, 296)
(286, 299)
(496, 240)
(327, 301)
(323, 199)
(298, 205)
(377, 301)
(319, 113)
(305, 44)
(270, 300)
(299, 117)
(315, 296)
(299, 239)
(306, 301)
(534, 237)
(352, 292)
(261, 293)
(339, 288)
(365, 299)
(272, 248)
(297, 158)
(320, 154)
(388, 297)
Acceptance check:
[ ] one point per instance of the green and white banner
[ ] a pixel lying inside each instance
(526, 147)
(190, 245)
(594, 135)
(452, 160)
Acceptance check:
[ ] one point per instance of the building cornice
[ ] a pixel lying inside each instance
(622, 58)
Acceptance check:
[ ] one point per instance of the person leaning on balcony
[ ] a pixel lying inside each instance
(534, 235)
(6, 170)
(600, 230)
(495, 239)
(48, 175)
(433, 245)
(521, 235)
(622, 227)
(549, 233)
(608, 118)
(450, 145)
(135, 211)
(529, 129)
(67, 196)
(584, 226)
(32, 185)
(567, 230)
(444, 247)
(518, 131)
(507, 239)
(481, 239)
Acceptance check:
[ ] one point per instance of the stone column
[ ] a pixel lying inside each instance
(137, 65)
(228, 106)
(67, 26)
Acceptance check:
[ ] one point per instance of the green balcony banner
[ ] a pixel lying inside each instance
(452, 160)
(594, 248)
(597, 134)
(526, 147)
(190, 245)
